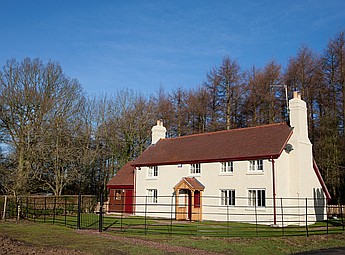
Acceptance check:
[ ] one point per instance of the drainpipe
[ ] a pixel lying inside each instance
(134, 198)
(274, 193)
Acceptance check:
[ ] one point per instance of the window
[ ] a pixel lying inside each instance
(227, 167)
(152, 172)
(195, 168)
(118, 194)
(256, 165)
(182, 198)
(152, 196)
(227, 197)
(196, 199)
(257, 197)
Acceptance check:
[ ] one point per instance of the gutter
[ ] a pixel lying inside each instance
(274, 193)
(177, 162)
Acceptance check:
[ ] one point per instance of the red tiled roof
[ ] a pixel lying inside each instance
(124, 177)
(194, 183)
(191, 182)
(237, 144)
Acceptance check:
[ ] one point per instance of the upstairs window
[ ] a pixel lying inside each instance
(152, 172)
(195, 169)
(227, 167)
(256, 165)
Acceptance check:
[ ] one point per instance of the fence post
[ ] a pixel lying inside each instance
(228, 218)
(282, 212)
(54, 209)
(326, 218)
(79, 211)
(27, 208)
(65, 210)
(306, 216)
(145, 215)
(171, 213)
(256, 219)
(18, 205)
(34, 209)
(4, 212)
(122, 209)
(342, 216)
(100, 221)
(45, 209)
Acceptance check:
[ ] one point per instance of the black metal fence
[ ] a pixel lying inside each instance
(173, 216)
(71, 211)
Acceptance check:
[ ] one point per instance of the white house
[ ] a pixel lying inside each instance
(266, 171)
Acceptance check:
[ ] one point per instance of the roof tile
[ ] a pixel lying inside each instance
(125, 176)
(237, 144)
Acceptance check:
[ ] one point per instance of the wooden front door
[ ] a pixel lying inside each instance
(182, 204)
(189, 205)
(115, 200)
(129, 201)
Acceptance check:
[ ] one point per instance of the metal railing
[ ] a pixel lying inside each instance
(213, 216)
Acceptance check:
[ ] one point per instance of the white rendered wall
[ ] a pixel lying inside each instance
(211, 177)
(240, 180)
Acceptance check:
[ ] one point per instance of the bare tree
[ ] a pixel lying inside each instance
(164, 110)
(225, 83)
(197, 102)
(304, 74)
(37, 101)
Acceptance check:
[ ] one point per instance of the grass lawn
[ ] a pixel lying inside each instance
(159, 226)
(39, 234)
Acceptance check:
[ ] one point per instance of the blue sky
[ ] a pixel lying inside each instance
(142, 45)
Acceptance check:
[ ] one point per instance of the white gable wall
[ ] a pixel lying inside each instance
(296, 178)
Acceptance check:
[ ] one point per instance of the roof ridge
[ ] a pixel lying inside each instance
(226, 131)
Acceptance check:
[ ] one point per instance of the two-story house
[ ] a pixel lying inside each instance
(203, 176)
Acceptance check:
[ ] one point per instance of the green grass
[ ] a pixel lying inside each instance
(58, 236)
(154, 226)
(45, 235)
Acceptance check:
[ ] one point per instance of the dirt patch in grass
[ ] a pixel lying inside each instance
(10, 246)
(162, 246)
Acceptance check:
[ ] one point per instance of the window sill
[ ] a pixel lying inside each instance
(151, 178)
(261, 208)
(255, 173)
(231, 207)
(226, 174)
(195, 175)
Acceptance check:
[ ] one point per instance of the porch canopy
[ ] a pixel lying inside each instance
(188, 199)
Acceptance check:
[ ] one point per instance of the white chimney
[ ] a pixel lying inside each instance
(158, 132)
(298, 118)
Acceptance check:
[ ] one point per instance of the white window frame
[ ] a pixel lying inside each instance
(228, 197)
(152, 196)
(257, 197)
(256, 165)
(152, 172)
(227, 167)
(195, 169)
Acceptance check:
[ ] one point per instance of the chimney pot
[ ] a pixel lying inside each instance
(158, 132)
(297, 94)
